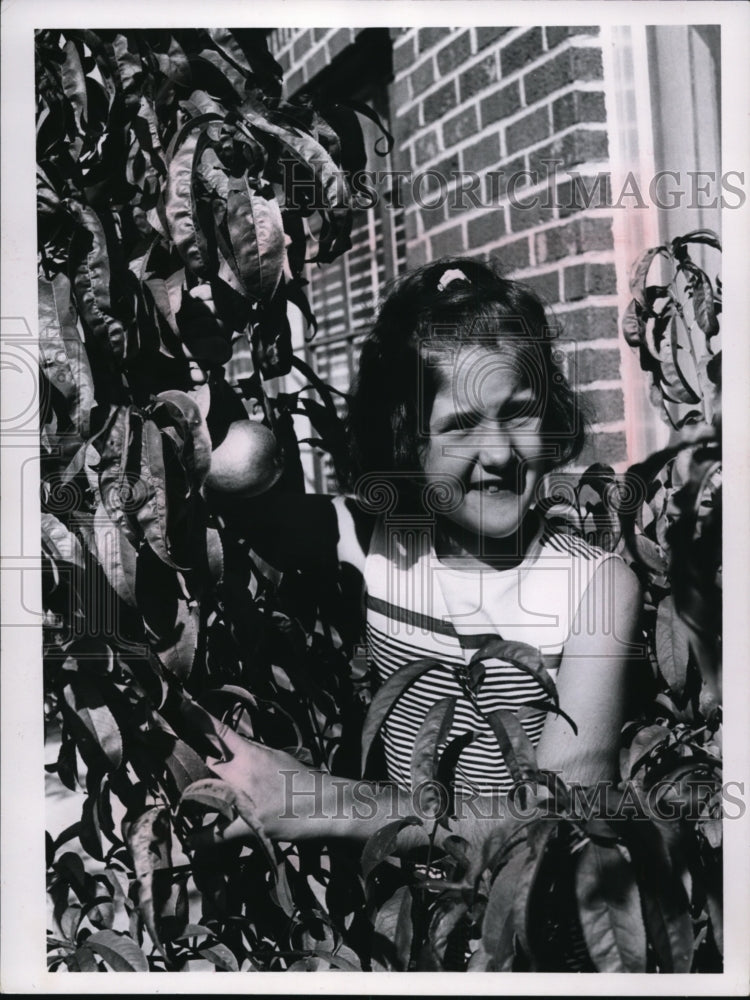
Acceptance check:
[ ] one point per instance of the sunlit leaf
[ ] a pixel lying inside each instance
(672, 645)
(87, 702)
(386, 698)
(382, 843)
(219, 955)
(119, 951)
(610, 909)
(521, 655)
(518, 750)
(257, 235)
(149, 840)
(393, 932)
(500, 901)
(431, 734)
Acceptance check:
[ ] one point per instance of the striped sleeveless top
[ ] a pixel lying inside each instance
(417, 607)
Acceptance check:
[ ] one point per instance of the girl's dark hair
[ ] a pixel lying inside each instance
(449, 301)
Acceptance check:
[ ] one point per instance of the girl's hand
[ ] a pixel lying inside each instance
(282, 789)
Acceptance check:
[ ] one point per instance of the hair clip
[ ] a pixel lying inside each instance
(449, 276)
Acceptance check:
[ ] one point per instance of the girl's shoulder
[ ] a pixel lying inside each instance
(555, 539)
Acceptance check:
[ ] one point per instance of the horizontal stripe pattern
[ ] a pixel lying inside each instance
(398, 635)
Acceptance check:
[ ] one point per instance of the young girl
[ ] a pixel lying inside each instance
(458, 412)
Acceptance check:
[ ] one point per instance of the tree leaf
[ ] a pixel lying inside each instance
(219, 955)
(184, 409)
(386, 697)
(383, 843)
(546, 706)
(179, 204)
(538, 838)
(88, 704)
(500, 900)
(149, 839)
(152, 514)
(60, 542)
(645, 740)
(230, 801)
(633, 324)
(518, 750)
(521, 655)
(610, 910)
(256, 231)
(119, 951)
(432, 732)
(672, 645)
(116, 555)
(62, 353)
(447, 916)
(639, 273)
(666, 908)
(393, 924)
(82, 960)
(703, 302)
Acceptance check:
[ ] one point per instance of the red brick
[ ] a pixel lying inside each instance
(422, 77)
(577, 193)
(478, 77)
(320, 33)
(593, 365)
(428, 37)
(441, 102)
(573, 238)
(527, 131)
(521, 51)
(607, 405)
(460, 126)
(497, 181)
(339, 41)
(488, 228)
(555, 35)
(485, 36)
(591, 323)
(525, 216)
(426, 147)
(449, 242)
(501, 104)
(416, 254)
(400, 94)
(454, 53)
(407, 124)
(578, 106)
(295, 81)
(317, 62)
(607, 448)
(586, 279)
(465, 196)
(433, 216)
(579, 146)
(545, 286)
(302, 45)
(568, 67)
(512, 256)
(483, 153)
(439, 175)
(403, 54)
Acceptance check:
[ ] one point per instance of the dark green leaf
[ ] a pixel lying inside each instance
(149, 839)
(393, 924)
(386, 698)
(218, 954)
(640, 271)
(256, 231)
(383, 843)
(672, 645)
(62, 353)
(538, 838)
(633, 324)
(518, 750)
(610, 910)
(87, 702)
(119, 951)
(644, 742)
(500, 900)
(521, 655)
(152, 515)
(433, 732)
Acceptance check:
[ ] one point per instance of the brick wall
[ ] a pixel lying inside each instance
(472, 109)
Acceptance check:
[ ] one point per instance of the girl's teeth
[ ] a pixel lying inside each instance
(493, 488)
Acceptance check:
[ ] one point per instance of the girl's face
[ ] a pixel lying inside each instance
(484, 439)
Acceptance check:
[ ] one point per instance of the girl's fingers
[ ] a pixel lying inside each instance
(222, 737)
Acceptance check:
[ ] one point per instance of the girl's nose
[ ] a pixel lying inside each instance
(494, 448)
